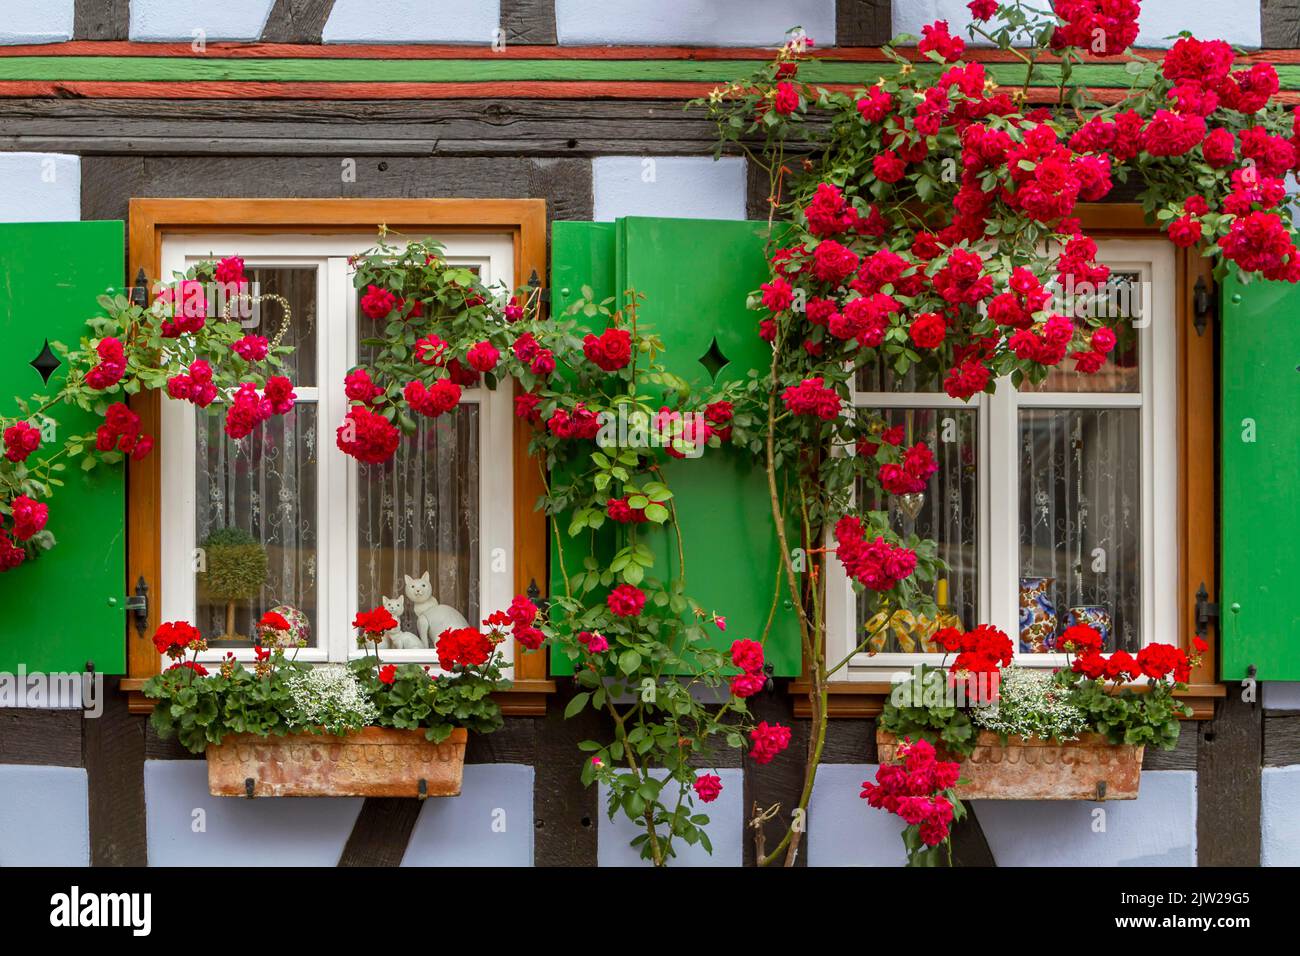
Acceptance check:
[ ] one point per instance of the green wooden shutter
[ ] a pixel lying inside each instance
(1260, 594)
(63, 609)
(695, 275)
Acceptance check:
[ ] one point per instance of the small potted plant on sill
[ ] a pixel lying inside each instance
(1076, 734)
(286, 728)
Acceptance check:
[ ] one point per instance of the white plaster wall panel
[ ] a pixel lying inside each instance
(36, 21)
(1156, 829)
(908, 16)
(1275, 694)
(44, 816)
(1279, 821)
(489, 824)
(1238, 23)
(726, 830)
(843, 829)
(413, 21)
(40, 187)
(270, 831)
(695, 186)
(177, 20)
(693, 22)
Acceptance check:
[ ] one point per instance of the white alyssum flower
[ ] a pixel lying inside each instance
(1031, 705)
(330, 697)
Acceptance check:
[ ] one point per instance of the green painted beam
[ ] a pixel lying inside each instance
(313, 70)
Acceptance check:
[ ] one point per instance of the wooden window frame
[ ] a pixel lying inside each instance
(1195, 462)
(151, 220)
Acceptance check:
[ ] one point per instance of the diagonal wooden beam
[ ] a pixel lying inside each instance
(296, 21)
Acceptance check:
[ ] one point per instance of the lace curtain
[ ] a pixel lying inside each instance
(265, 484)
(949, 514)
(1080, 517)
(419, 513)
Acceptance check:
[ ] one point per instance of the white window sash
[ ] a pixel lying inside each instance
(337, 540)
(999, 491)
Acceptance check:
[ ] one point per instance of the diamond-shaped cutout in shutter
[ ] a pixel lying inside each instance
(46, 363)
(714, 360)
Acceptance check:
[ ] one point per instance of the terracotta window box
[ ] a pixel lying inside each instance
(1089, 768)
(374, 762)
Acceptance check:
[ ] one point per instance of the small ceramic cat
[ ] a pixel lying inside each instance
(431, 617)
(398, 639)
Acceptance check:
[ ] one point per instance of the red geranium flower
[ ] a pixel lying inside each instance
(374, 622)
(463, 647)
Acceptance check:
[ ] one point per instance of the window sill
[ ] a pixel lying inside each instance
(867, 699)
(527, 698)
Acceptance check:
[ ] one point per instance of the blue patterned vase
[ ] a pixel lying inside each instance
(1037, 615)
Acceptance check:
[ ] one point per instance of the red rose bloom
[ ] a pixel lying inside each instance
(786, 100)
(521, 610)
(812, 397)
(887, 167)
(626, 600)
(707, 787)
(747, 685)
(367, 436)
(438, 399)
(359, 387)
(20, 441)
(29, 516)
(251, 348)
(619, 510)
(230, 271)
(10, 555)
(611, 350)
(279, 392)
(378, 303)
(526, 407)
(768, 741)
(1185, 231)
(1219, 148)
(482, 356)
(935, 38)
(928, 330)
(430, 350)
(747, 655)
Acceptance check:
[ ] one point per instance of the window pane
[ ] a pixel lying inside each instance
(876, 376)
(297, 284)
(368, 328)
(1121, 298)
(256, 523)
(948, 513)
(1080, 525)
(418, 529)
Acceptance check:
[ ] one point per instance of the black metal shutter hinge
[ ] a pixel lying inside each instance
(1205, 609)
(1202, 304)
(138, 605)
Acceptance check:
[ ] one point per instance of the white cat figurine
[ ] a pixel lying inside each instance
(398, 639)
(431, 617)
